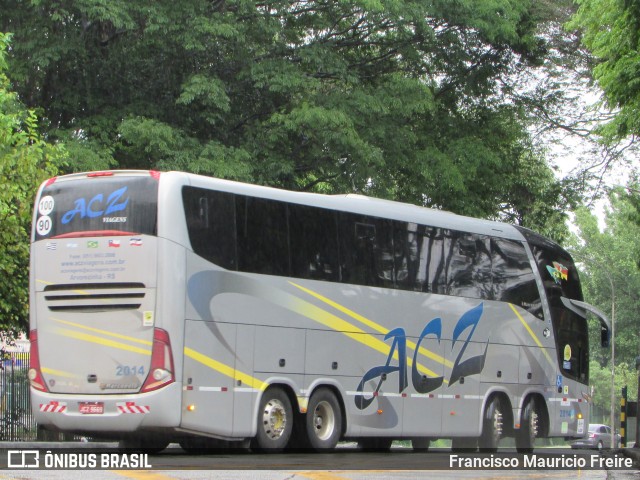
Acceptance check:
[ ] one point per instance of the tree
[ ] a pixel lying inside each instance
(611, 31)
(402, 99)
(609, 272)
(26, 159)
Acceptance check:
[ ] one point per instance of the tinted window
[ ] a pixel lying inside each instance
(211, 225)
(513, 278)
(314, 243)
(469, 273)
(262, 236)
(366, 250)
(95, 205)
(271, 237)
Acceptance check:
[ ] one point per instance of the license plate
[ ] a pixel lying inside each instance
(91, 408)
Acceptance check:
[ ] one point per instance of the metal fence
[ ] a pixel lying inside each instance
(16, 420)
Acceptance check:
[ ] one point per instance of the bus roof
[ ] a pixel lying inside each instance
(354, 203)
(361, 204)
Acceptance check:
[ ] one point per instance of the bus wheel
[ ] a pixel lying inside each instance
(275, 421)
(492, 426)
(529, 427)
(323, 420)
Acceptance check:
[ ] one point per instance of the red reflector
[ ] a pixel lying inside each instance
(161, 371)
(50, 181)
(154, 174)
(35, 376)
(99, 174)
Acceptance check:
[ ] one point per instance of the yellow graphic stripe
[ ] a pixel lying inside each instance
(79, 292)
(58, 373)
(101, 341)
(225, 369)
(323, 317)
(533, 335)
(373, 325)
(104, 332)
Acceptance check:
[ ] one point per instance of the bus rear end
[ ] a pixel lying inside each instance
(100, 364)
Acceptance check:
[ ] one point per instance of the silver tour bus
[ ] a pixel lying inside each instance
(175, 307)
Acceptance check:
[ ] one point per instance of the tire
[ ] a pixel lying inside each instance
(529, 427)
(375, 444)
(464, 444)
(492, 426)
(323, 421)
(275, 422)
(420, 444)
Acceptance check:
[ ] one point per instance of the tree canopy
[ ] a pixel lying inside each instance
(26, 159)
(403, 99)
(611, 31)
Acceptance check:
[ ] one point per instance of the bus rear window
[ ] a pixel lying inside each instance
(94, 206)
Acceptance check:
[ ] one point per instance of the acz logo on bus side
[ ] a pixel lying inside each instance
(421, 383)
(97, 207)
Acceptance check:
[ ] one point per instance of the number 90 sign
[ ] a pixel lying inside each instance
(45, 207)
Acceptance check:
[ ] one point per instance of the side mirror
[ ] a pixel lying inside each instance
(604, 337)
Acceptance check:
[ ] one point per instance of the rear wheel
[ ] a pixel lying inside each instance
(529, 427)
(324, 420)
(275, 421)
(492, 426)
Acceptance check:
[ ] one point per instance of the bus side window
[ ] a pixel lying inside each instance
(513, 278)
(313, 241)
(406, 248)
(469, 266)
(210, 219)
(431, 276)
(262, 230)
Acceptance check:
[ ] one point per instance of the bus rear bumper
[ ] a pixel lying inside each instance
(160, 409)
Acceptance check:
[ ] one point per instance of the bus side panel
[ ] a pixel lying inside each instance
(208, 376)
(244, 421)
(424, 403)
(537, 374)
(461, 397)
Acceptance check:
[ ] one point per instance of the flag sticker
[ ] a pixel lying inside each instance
(92, 244)
(114, 243)
(135, 242)
(558, 272)
(52, 246)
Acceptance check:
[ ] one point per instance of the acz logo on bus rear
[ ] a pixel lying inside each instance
(422, 384)
(97, 206)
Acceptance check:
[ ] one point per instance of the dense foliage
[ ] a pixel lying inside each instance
(610, 30)
(26, 159)
(402, 99)
(611, 281)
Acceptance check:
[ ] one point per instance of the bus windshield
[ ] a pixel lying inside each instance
(97, 206)
(560, 279)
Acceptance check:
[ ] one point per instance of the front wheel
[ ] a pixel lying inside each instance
(492, 426)
(275, 421)
(323, 420)
(529, 427)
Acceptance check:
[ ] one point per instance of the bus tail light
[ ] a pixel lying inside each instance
(35, 375)
(161, 372)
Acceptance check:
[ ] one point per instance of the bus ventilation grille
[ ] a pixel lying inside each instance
(94, 297)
